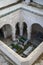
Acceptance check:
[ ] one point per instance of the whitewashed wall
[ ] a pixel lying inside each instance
(31, 18)
(11, 19)
(21, 16)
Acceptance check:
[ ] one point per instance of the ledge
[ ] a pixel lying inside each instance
(38, 1)
(35, 10)
(7, 2)
(11, 9)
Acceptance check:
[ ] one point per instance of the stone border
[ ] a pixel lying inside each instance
(17, 58)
